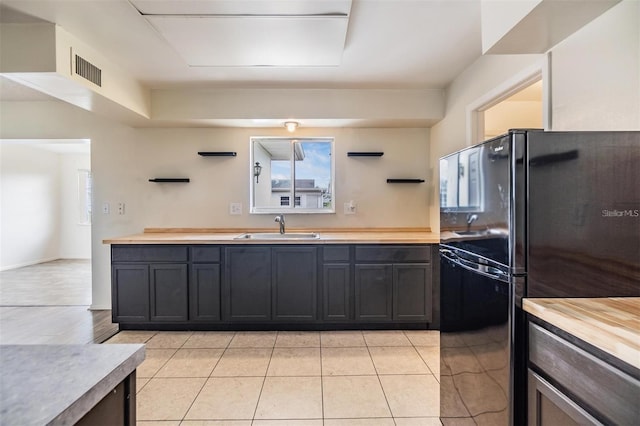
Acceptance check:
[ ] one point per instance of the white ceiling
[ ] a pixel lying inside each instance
(391, 44)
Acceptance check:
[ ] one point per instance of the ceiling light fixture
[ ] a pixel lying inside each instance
(291, 125)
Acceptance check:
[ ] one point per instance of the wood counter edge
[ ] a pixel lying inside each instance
(614, 337)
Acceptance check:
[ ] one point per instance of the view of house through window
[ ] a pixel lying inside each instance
(292, 175)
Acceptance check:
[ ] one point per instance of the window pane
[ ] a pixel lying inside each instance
(313, 175)
(291, 174)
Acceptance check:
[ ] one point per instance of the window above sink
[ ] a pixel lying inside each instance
(292, 175)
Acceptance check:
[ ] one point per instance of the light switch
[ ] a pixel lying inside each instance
(121, 208)
(350, 207)
(105, 208)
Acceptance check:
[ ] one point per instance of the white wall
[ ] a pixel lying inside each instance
(123, 159)
(595, 76)
(29, 206)
(596, 73)
(39, 206)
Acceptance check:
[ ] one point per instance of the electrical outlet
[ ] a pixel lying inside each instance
(350, 207)
(235, 208)
(120, 208)
(105, 208)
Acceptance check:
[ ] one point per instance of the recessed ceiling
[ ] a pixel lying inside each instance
(390, 44)
(278, 33)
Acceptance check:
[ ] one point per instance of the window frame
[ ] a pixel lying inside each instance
(291, 208)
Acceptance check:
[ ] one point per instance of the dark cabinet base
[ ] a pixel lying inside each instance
(273, 326)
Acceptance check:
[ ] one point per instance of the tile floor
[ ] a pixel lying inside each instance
(326, 378)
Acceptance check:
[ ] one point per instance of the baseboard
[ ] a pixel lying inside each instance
(99, 308)
(22, 265)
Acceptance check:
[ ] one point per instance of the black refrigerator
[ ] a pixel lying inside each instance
(527, 214)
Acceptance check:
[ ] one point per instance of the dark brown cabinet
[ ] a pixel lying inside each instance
(130, 292)
(294, 283)
(248, 283)
(570, 385)
(393, 283)
(217, 286)
(374, 291)
(168, 292)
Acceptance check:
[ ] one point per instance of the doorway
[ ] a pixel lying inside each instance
(45, 228)
(522, 110)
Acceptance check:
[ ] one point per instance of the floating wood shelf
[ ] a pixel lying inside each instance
(405, 180)
(365, 154)
(217, 153)
(167, 180)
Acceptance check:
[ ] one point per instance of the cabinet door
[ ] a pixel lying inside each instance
(294, 283)
(130, 295)
(412, 292)
(336, 290)
(373, 292)
(168, 283)
(204, 292)
(247, 283)
(549, 407)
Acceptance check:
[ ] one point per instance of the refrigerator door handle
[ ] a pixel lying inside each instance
(485, 270)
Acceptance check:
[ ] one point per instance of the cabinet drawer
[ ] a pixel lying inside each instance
(136, 253)
(369, 253)
(335, 254)
(207, 254)
(593, 382)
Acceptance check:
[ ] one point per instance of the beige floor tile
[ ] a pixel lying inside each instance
(298, 339)
(412, 396)
(167, 399)
(243, 362)
(168, 339)
(317, 422)
(431, 355)
(253, 339)
(157, 423)
(346, 362)
(360, 422)
(140, 382)
(191, 363)
(339, 339)
(417, 421)
(423, 337)
(209, 339)
(386, 338)
(131, 336)
(228, 398)
(154, 359)
(398, 360)
(353, 397)
(295, 362)
(290, 398)
(216, 423)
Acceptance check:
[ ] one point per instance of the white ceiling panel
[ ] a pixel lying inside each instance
(246, 41)
(242, 7)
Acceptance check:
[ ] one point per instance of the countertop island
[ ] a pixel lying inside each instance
(327, 236)
(61, 384)
(610, 324)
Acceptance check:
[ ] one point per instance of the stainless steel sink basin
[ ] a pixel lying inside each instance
(278, 236)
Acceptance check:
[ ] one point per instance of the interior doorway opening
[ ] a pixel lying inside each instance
(45, 222)
(523, 109)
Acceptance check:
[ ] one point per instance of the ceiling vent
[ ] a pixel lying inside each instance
(88, 71)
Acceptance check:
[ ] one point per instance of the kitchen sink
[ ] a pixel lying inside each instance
(278, 236)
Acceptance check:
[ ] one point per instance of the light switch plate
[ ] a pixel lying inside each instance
(235, 208)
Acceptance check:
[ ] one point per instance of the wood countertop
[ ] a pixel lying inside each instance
(327, 236)
(610, 324)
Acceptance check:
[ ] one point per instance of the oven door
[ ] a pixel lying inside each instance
(475, 342)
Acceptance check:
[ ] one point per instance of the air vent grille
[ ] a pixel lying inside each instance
(86, 69)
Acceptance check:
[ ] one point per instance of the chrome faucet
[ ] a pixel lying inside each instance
(470, 219)
(280, 219)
